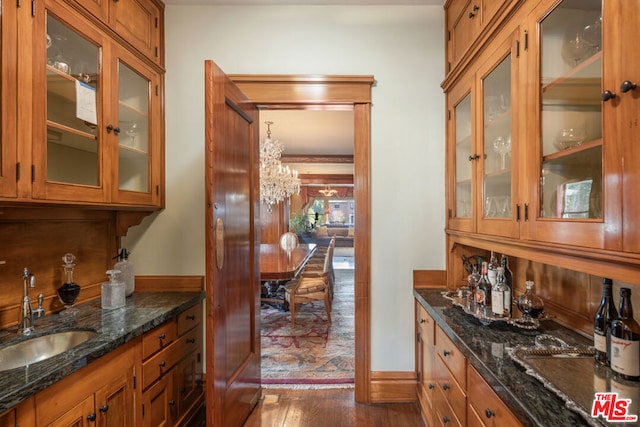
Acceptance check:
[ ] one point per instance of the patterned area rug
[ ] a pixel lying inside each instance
(314, 351)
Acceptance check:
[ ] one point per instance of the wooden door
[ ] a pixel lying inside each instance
(158, 403)
(114, 401)
(232, 273)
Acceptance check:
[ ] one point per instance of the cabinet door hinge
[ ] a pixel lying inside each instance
(448, 114)
(157, 190)
(18, 171)
(33, 7)
(526, 40)
(157, 90)
(198, 358)
(33, 173)
(156, 22)
(143, 410)
(156, 51)
(449, 35)
(418, 377)
(18, 3)
(517, 48)
(450, 213)
(135, 382)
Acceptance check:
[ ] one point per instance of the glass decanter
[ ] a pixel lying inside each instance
(69, 291)
(529, 304)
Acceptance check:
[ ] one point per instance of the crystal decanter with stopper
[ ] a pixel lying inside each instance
(69, 291)
(529, 304)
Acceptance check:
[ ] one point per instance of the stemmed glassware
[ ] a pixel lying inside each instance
(133, 133)
(502, 146)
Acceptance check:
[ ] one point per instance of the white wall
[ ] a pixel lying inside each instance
(402, 46)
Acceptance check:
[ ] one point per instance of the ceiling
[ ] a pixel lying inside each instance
(310, 2)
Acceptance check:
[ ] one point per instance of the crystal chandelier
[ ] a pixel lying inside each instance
(277, 182)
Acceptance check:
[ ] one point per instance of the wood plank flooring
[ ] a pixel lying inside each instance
(328, 407)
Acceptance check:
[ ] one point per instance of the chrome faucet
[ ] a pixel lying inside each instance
(26, 312)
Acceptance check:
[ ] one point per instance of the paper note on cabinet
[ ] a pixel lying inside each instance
(86, 102)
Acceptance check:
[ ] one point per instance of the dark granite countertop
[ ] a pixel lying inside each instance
(484, 347)
(143, 312)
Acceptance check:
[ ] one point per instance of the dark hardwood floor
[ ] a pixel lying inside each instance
(325, 407)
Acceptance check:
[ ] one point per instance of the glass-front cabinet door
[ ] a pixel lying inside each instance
(497, 135)
(8, 106)
(462, 157)
(566, 136)
(68, 147)
(136, 172)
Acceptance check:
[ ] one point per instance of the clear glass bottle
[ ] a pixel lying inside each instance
(69, 291)
(472, 287)
(492, 269)
(113, 291)
(508, 276)
(501, 296)
(529, 304)
(483, 292)
(625, 340)
(127, 274)
(605, 314)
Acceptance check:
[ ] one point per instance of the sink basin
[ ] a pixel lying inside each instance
(40, 348)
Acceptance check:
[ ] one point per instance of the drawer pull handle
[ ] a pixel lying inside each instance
(445, 420)
(446, 353)
(422, 320)
(163, 364)
(104, 408)
(91, 417)
(489, 413)
(162, 336)
(445, 387)
(191, 340)
(172, 402)
(191, 317)
(430, 386)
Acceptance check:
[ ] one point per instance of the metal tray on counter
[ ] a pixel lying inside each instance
(484, 314)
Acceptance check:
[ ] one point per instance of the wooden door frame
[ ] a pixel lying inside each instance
(300, 92)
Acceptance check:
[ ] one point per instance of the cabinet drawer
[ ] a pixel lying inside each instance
(189, 319)
(451, 391)
(158, 338)
(427, 326)
(452, 357)
(444, 414)
(160, 363)
(486, 403)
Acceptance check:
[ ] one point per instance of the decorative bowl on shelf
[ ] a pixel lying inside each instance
(570, 137)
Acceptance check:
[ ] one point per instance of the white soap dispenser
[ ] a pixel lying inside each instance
(113, 291)
(126, 271)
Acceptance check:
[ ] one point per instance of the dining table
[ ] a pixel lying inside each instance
(277, 266)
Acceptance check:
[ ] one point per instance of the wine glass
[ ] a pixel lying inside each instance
(133, 133)
(502, 146)
(575, 50)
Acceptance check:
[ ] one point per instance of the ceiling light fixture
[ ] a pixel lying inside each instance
(277, 182)
(328, 191)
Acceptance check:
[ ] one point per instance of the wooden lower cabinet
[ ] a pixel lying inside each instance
(172, 371)
(22, 415)
(99, 394)
(485, 407)
(450, 390)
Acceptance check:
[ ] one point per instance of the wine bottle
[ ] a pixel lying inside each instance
(605, 314)
(483, 292)
(498, 294)
(508, 280)
(492, 269)
(625, 340)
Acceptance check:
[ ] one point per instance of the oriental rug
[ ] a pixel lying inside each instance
(313, 352)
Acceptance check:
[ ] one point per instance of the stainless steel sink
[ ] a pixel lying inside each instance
(41, 348)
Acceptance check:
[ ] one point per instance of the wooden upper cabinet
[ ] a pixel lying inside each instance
(466, 20)
(8, 105)
(97, 122)
(574, 193)
(137, 21)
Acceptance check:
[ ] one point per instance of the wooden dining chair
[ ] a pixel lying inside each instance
(310, 287)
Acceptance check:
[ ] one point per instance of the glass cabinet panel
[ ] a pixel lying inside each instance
(497, 177)
(463, 158)
(73, 148)
(571, 111)
(133, 141)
